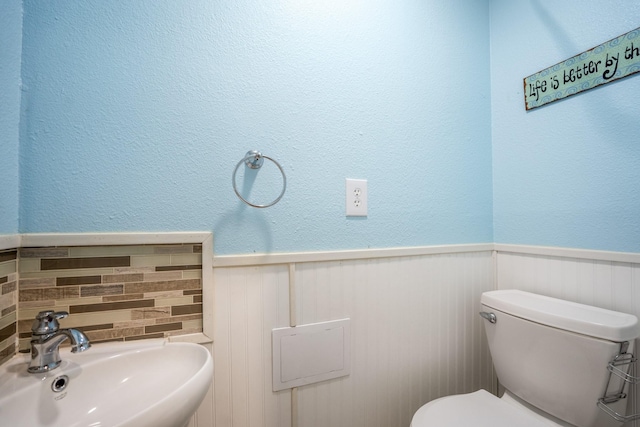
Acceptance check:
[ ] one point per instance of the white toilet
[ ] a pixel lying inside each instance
(552, 358)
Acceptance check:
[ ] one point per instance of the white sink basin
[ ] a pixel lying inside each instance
(147, 383)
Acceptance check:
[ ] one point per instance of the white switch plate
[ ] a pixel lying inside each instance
(356, 197)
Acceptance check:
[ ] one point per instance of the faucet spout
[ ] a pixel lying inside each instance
(79, 341)
(46, 339)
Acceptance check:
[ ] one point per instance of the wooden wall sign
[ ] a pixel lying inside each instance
(608, 62)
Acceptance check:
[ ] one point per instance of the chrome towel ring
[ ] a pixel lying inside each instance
(254, 160)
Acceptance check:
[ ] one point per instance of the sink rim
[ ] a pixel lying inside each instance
(16, 381)
(14, 370)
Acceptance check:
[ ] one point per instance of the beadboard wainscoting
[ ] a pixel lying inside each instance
(415, 333)
(604, 279)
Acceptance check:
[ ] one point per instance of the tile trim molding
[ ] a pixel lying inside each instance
(9, 241)
(107, 239)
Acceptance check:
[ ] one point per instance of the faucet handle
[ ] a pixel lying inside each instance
(47, 322)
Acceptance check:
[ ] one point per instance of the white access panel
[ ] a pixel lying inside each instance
(311, 353)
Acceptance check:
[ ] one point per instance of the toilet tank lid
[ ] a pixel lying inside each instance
(571, 316)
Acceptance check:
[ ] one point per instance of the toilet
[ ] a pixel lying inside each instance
(552, 357)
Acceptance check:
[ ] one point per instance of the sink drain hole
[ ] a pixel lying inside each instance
(60, 383)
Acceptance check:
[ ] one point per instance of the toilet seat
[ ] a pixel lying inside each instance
(478, 409)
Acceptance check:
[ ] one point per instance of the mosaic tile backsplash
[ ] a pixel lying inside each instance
(8, 304)
(112, 293)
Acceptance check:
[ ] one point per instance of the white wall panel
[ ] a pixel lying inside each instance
(607, 284)
(602, 283)
(204, 416)
(416, 334)
(249, 302)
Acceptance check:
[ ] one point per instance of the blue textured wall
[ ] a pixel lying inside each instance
(567, 174)
(10, 54)
(137, 112)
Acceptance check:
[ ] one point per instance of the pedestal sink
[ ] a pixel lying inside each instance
(150, 383)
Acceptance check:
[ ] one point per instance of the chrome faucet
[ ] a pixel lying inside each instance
(46, 337)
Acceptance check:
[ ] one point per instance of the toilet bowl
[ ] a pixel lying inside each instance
(552, 358)
(480, 409)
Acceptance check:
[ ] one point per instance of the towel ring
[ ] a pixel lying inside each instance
(254, 160)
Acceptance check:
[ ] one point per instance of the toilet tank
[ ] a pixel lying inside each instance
(553, 354)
